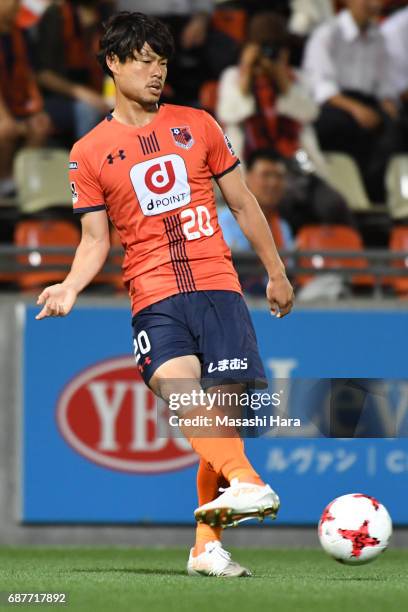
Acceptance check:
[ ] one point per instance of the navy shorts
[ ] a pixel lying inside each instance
(214, 325)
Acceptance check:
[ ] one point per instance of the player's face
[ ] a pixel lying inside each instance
(267, 181)
(8, 12)
(142, 77)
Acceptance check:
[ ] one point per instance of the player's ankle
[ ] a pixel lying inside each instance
(200, 546)
(246, 476)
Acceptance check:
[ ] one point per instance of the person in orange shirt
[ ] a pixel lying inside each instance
(148, 167)
(22, 119)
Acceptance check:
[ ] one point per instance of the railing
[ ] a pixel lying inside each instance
(381, 264)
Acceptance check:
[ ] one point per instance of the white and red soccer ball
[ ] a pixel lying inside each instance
(355, 528)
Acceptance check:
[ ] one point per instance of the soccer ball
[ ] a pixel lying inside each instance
(354, 528)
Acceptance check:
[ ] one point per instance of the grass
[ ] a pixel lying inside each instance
(154, 580)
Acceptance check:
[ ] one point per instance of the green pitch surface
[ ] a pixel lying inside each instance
(155, 580)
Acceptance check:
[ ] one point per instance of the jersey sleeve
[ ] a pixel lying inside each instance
(87, 193)
(221, 158)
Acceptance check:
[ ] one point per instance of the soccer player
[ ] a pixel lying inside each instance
(148, 167)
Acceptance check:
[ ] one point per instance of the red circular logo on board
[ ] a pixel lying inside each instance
(108, 415)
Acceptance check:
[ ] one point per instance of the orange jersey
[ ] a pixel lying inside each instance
(155, 183)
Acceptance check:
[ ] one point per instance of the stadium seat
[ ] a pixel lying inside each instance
(331, 238)
(342, 174)
(396, 181)
(44, 233)
(398, 243)
(41, 177)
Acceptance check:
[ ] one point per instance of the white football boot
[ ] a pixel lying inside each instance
(215, 561)
(241, 501)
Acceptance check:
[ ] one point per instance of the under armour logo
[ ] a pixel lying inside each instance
(120, 155)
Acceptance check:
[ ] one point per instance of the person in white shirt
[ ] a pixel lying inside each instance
(348, 70)
(395, 30)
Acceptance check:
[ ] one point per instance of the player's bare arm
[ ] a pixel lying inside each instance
(58, 300)
(252, 221)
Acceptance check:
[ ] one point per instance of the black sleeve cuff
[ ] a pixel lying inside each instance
(87, 209)
(234, 165)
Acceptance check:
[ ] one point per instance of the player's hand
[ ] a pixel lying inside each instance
(57, 301)
(280, 295)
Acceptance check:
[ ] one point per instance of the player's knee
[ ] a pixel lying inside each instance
(180, 375)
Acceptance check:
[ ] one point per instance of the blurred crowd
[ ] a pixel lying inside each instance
(289, 80)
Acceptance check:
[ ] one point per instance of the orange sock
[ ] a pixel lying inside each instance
(226, 456)
(208, 482)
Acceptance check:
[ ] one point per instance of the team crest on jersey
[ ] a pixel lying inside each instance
(182, 137)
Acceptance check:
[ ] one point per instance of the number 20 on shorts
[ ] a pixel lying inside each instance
(141, 345)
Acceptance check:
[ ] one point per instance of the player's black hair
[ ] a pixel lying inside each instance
(127, 32)
(268, 153)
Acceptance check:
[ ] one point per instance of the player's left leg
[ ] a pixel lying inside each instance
(208, 558)
(208, 484)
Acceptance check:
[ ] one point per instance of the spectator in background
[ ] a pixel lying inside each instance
(260, 102)
(308, 14)
(188, 20)
(347, 66)
(266, 178)
(22, 120)
(68, 72)
(395, 30)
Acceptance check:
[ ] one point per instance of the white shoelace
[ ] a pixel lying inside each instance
(219, 551)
